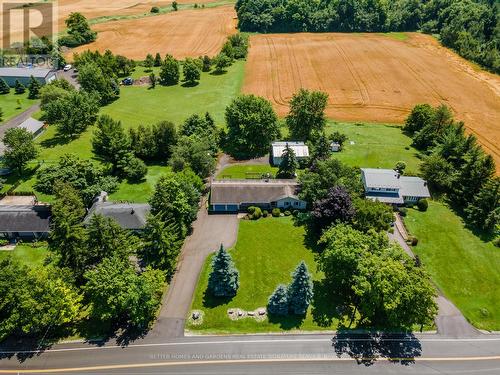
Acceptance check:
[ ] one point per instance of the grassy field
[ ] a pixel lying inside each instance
(266, 253)
(139, 105)
(375, 146)
(10, 107)
(240, 171)
(26, 254)
(465, 268)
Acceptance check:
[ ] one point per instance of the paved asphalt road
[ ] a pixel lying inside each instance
(279, 354)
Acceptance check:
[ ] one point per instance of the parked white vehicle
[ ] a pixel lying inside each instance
(67, 68)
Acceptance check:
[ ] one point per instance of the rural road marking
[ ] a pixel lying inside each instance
(226, 342)
(245, 361)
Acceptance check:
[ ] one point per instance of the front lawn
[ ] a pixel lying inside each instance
(266, 253)
(10, 106)
(465, 268)
(244, 171)
(26, 254)
(375, 146)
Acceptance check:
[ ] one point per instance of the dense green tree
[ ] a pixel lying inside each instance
(67, 236)
(169, 72)
(85, 176)
(78, 30)
(400, 167)
(161, 245)
(4, 87)
(438, 172)
(176, 198)
(252, 126)
(484, 210)
(34, 88)
(306, 118)
(224, 277)
(152, 80)
(194, 153)
(158, 60)
(154, 142)
(317, 180)
(192, 71)
(32, 300)
(321, 148)
(20, 148)
(149, 61)
(73, 112)
(124, 65)
(372, 215)
(221, 62)
(421, 116)
(278, 301)
(96, 81)
(338, 137)
(115, 292)
(288, 165)
(300, 290)
(19, 88)
(207, 64)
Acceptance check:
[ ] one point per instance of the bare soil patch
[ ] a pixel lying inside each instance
(187, 33)
(375, 78)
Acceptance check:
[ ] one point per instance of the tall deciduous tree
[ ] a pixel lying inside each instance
(307, 114)
(169, 72)
(20, 148)
(110, 141)
(192, 71)
(336, 207)
(252, 126)
(288, 165)
(224, 278)
(372, 215)
(95, 80)
(300, 290)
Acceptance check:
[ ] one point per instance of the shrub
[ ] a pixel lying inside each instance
(413, 241)
(423, 205)
(4, 242)
(257, 213)
(265, 213)
(155, 10)
(276, 212)
(288, 213)
(251, 210)
(403, 211)
(295, 213)
(496, 242)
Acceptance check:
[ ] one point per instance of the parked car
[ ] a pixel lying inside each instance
(128, 81)
(67, 68)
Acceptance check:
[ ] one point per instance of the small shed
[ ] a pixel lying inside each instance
(23, 75)
(35, 127)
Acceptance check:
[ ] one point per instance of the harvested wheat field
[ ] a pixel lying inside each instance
(375, 78)
(187, 33)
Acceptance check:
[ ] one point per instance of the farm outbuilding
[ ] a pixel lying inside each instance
(35, 127)
(300, 149)
(229, 196)
(23, 75)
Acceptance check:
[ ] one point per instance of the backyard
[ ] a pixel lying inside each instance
(11, 107)
(266, 253)
(463, 266)
(26, 254)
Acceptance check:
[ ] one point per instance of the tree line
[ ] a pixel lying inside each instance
(470, 27)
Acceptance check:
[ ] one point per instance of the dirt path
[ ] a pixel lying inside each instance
(209, 231)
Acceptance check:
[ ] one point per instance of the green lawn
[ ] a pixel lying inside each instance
(375, 146)
(266, 253)
(465, 268)
(10, 107)
(26, 254)
(240, 171)
(140, 105)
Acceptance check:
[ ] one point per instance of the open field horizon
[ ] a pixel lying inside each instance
(375, 78)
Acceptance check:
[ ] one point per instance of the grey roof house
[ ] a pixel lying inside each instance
(388, 186)
(23, 75)
(229, 196)
(35, 127)
(130, 216)
(26, 222)
(300, 149)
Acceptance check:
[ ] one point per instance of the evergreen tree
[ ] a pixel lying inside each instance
(169, 72)
(19, 87)
(34, 88)
(278, 301)
(300, 291)
(288, 164)
(224, 279)
(152, 80)
(157, 60)
(192, 71)
(161, 244)
(4, 87)
(207, 64)
(484, 211)
(149, 61)
(307, 114)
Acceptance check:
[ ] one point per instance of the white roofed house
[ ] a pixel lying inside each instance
(300, 149)
(388, 186)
